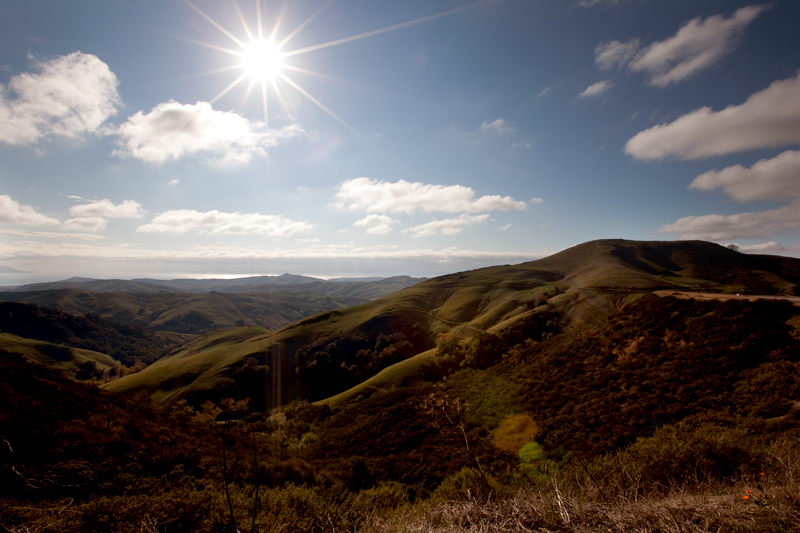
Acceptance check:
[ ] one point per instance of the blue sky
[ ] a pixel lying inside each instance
(415, 137)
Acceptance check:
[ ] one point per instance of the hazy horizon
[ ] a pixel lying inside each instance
(371, 139)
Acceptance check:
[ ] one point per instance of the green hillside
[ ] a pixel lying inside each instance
(74, 362)
(184, 312)
(124, 343)
(567, 394)
(199, 365)
(575, 291)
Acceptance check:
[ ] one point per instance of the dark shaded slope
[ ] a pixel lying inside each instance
(125, 343)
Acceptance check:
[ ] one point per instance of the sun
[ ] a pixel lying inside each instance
(262, 60)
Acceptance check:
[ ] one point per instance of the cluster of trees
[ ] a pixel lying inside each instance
(342, 364)
(659, 360)
(125, 343)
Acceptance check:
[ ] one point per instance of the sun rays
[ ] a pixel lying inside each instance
(261, 59)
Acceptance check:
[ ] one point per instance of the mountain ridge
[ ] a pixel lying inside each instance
(582, 285)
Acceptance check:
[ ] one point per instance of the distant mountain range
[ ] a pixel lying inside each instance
(195, 306)
(573, 291)
(367, 288)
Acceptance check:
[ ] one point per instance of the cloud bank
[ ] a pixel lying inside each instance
(68, 96)
(407, 197)
(92, 216)
(740, 226)
(698, 45)
(449, 226)
(107, 209)
(376, 224)
(14, 212)
(768, 118)
(217, 222)
(172, 130)
(776, 179)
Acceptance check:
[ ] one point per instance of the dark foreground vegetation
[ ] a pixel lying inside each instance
(677, 416)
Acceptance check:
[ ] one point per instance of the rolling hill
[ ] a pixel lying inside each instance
(76, 363)
(186, 313)
(367, 288)
(193, 307)
(579, 288)
(615, 378)
(124, 343)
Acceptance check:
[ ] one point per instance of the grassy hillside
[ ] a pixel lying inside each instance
(593, 405)
(186, 313)
(575, 290)
(208, 359)
(127, 344)
(74, 362)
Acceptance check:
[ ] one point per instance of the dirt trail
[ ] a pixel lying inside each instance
(717, 296)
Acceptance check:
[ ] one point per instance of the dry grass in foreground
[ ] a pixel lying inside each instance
(553, 511)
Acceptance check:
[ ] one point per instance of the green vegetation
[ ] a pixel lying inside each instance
(74, 362)
(186, 313)
(572, 291)
(516, 399)
(127, 344)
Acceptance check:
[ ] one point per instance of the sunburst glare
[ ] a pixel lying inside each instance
(262, 59)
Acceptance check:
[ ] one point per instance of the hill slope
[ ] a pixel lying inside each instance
(579, 288)
(184, 312)
(368, 288)
(126, 344)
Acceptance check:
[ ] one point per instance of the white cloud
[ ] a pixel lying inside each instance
(376, 224)
(14, 212)
(172, 130)
(763, 248)
(84, 224)
(216, 222)
(504, 228)
(697, 45)
(107, 209)
(499, 125)
(537, 201)
(407, 197)
(449, 226)
(596, 89)
(741, 226)
(615, 54)
(768, 179)
(522, 145)
(775, 179)
(768, 118)
(69, 96)
(31, 248)
(173, 183)
(52, 235)
(545, 91)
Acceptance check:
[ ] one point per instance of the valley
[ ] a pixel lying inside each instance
(565, 392)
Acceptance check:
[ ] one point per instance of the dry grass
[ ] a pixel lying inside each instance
(711, 508)
(552, 510)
